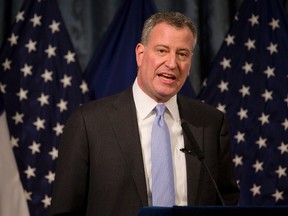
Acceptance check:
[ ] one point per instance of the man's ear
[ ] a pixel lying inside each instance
(139, 50)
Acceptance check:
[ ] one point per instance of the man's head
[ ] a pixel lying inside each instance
(176, 19)
(165, 53)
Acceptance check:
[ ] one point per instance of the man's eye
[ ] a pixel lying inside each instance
(161, 51)
(183, 55)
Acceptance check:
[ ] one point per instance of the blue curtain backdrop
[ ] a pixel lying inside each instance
(87, 21)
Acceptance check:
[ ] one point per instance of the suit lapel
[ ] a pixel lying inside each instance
(188, 114)
(193, 168)
(124, 122)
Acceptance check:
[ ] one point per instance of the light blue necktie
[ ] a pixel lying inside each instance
(163, 193)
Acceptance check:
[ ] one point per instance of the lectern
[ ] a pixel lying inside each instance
(214, 211)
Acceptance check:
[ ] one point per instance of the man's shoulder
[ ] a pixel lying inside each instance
(198, 111)
(196, 104)
(102, 104)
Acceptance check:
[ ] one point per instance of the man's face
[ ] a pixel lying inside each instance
(164, 62)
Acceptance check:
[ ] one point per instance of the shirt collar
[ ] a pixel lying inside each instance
(145, 104)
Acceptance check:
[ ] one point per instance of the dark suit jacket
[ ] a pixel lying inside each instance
(100, 167)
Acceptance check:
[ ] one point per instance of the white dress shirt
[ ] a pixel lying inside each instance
(146, 115)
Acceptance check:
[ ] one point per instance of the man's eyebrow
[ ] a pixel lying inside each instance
(162, 45)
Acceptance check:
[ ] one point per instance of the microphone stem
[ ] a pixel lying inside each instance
(214, 183)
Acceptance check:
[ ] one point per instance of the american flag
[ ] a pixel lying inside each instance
(249, 82)
(41, 82)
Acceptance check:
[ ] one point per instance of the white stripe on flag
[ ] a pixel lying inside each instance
(12, 198)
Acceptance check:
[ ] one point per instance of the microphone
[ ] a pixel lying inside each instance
(197, 151)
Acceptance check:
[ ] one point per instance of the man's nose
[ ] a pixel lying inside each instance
(171, 60)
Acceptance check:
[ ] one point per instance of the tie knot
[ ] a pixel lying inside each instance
(160, 109)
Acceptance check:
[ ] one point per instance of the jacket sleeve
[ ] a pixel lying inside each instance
(70, 186)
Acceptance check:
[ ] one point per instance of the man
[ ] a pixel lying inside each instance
(104, 165)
